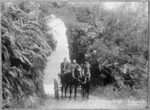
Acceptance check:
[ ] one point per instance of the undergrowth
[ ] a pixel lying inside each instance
(125, 92)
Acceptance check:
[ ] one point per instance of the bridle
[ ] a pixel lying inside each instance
(79, 70)
(86, 77)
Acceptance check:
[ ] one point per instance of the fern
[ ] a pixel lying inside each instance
(24, 52)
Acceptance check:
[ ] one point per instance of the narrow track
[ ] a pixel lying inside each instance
(93, 103)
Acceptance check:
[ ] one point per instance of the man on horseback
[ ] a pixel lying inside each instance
(74, 65)
(65, 67)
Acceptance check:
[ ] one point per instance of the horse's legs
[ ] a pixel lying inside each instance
(75, 91)
(88, 89)
(83, 92)
(70, 91)
(62, 91)
(62, 86)
(66, 90)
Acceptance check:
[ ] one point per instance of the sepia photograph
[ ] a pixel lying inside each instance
(74, 55)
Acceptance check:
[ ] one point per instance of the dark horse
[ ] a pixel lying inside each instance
(69, 81)
(85, 80)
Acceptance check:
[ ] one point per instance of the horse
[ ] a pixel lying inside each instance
(69, 81)
(85, 81)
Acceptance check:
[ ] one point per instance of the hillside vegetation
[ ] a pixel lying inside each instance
(115, 42)
(26, 44)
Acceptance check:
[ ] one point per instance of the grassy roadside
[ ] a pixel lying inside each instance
(124, 93)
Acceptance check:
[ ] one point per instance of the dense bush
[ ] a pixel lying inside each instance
(114, 42)
(26, 45)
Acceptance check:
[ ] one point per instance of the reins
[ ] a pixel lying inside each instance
(81, 81)
(75, 78)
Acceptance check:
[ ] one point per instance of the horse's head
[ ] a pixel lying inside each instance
(86, 70)
(77, 71)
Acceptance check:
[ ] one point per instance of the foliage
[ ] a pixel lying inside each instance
(25, 48)
(125, 93)
(114, 42)
(109, 39)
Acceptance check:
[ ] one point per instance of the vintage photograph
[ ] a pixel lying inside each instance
(74, 55)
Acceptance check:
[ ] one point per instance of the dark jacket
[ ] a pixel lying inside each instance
(65, 67)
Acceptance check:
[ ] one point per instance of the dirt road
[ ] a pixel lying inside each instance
(93, 103)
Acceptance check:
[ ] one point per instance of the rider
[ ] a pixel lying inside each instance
(74, 65)
(65, 67)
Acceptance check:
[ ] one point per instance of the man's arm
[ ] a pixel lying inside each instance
(89, 70)
(89, 74)
(72, 69)
(82, 72)
(61, 66)
(73, 74)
